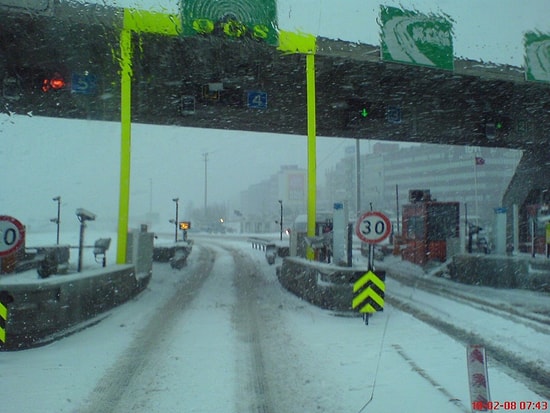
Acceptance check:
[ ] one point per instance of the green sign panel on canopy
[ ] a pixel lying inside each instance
(415, 38)
(239, 19)
(537, 56)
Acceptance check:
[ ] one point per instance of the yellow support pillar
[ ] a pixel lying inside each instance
(290, 42)
(170, 25)
(311, 150)
(138, 21)
(125, 142)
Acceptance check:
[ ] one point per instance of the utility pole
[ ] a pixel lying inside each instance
(57, 220)
(150, 198)
(357, 178)
(176, 200)
(205, 156)
(281, 221)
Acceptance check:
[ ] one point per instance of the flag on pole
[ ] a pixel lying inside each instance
(480, 160)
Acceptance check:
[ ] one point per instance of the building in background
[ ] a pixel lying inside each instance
(475, 177)
(260, 208)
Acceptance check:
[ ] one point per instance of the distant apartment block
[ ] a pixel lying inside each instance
(474, 176)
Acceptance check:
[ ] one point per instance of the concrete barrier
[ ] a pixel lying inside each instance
(324, 285)
(43, 309)
(501, 271)
(39, 310)
(176, 254)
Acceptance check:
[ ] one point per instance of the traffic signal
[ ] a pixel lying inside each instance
(40, 79)
(360, 111)
(55, 81)
(497, 126)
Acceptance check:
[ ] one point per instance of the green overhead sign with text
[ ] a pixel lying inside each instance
(537, 56)
(415, 38)
(238, 19)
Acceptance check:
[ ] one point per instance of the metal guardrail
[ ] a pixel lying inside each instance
(54, 259)
(272, 250)
(260, 243)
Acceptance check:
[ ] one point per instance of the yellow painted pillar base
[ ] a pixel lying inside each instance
(125, 143)
(311, 151)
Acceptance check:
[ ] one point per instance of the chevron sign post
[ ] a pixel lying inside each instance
(3, 321)
(368, 293)
(5, 299)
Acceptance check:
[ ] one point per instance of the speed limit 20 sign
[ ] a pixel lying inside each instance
(373, 227)
(12, 235)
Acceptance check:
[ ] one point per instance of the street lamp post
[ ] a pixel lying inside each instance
(281, 221)
(57, 220)
(176, 200)
(205, 156)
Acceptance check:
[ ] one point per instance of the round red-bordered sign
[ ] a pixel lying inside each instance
(12, 235)
(373, 227)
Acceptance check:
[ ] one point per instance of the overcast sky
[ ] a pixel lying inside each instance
(79, 160)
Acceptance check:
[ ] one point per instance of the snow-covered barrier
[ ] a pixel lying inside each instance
(324, 285)
(176, 254)
(39, 310)
(501, 271)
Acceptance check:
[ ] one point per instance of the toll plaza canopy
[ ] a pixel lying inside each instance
(63, 61)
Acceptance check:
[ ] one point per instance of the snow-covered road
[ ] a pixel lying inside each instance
(222, 335)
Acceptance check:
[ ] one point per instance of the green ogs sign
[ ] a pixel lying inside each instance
(238, 19)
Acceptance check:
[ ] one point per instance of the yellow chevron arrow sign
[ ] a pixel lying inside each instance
(3, 321)
(368, 292)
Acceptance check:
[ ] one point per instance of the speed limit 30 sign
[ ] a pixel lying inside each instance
(373, 227)
(12, 235)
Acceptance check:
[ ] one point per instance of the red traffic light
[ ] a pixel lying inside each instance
(54, 82)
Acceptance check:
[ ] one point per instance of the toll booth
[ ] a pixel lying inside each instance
(533, 219)
(534, 234)
(429, 227)
(298, 236)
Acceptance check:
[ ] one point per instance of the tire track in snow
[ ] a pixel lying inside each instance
(416, 368)
(535, 375)
(246, 319)
(112, 386)
(529, 372)
(538, 322)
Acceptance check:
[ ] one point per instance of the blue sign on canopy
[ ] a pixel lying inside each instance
(257, 100)
(85, 84)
